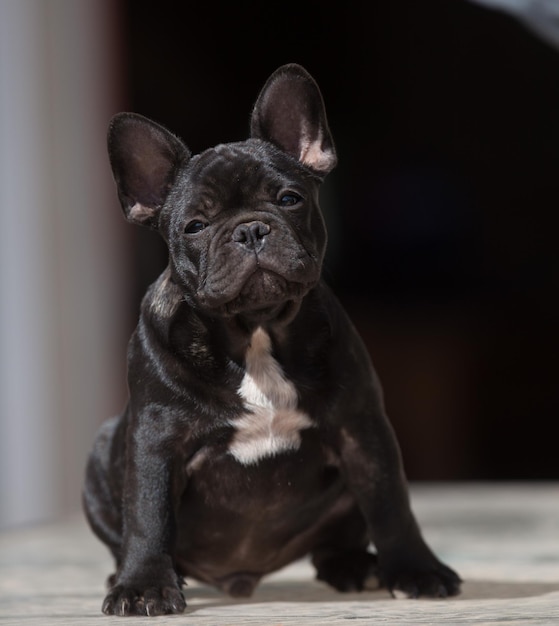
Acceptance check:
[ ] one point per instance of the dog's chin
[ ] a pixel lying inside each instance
(265, 297)
(276, 314)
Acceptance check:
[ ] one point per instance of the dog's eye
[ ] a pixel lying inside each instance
(194, 227)
(289, 199)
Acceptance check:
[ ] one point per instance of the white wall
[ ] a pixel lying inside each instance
(62, 253)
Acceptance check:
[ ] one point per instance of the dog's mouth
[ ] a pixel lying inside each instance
(262, 296)
(265, 292)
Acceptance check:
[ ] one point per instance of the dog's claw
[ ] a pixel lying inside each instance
(124, 607)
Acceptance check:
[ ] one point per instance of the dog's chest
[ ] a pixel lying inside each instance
(272, 422)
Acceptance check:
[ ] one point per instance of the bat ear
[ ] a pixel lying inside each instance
(290, 113)
(144, 158)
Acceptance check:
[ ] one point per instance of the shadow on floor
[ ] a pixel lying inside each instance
(200, 597)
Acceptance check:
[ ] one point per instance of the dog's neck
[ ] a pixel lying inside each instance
(239, 330)
(168, 302)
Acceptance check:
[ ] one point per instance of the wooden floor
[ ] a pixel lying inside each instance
(502, 539)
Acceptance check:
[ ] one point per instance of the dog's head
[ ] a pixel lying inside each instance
(241, 220)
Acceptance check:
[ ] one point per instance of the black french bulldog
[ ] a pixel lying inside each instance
(255, 433)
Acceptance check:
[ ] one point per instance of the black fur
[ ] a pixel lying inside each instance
(246, 242)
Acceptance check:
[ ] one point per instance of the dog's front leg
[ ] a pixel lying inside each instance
(372, 463)
(146, 582)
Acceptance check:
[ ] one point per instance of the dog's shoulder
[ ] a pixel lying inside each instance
(163, 297)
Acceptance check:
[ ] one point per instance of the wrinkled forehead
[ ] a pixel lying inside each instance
(244, 167)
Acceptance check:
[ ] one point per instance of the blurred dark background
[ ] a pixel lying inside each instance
(441, 212)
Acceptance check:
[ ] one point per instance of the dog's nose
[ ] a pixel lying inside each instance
(251, 235)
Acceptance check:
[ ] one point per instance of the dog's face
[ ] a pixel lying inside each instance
(244, 229)
(241, 220)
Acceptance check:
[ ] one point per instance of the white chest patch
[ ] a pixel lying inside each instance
(272, 423)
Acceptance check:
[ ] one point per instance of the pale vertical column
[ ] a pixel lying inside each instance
(28, 445)
(61, 272)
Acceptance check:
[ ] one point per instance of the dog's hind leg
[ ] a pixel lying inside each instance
(101, 499)
(343, 559)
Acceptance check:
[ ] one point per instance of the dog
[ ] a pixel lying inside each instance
(255, 433)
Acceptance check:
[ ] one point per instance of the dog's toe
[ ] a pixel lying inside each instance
(153, 601)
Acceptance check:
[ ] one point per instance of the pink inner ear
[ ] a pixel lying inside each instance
(140, 213)
(313, 154)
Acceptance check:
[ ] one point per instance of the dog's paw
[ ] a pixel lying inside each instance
(127, 600)
(436, 582)
(350, 571)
